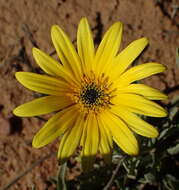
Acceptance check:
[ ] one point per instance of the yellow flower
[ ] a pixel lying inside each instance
(93, 93)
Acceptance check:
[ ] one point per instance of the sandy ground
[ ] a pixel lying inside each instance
(27, 23)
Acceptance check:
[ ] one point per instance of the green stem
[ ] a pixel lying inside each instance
(61, 185)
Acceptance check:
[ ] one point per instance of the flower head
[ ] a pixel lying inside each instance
(93, 93)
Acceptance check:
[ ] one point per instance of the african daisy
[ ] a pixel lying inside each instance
(93, 94)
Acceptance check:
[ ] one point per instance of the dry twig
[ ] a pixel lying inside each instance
(108, 185)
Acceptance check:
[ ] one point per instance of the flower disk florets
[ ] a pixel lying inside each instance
(91, 95)
(95, 94)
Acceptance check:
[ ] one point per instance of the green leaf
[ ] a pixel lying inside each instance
(173, 112)
(150, 178)
(174, 150)
(175, 101)
(170, 182)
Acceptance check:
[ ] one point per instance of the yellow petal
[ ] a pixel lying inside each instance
(71, 140)
(140, 105)
(106, 142)
(42, 106)
(42, 83)
(85, 45)
(135, 123)
(90, 143)
(50, 65)
(55, 127)
(146, 91)
(127, 56)
(121, 133)
(66, 51)
(108, 48)
(139, 72)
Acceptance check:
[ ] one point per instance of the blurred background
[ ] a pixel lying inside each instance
(27, 23)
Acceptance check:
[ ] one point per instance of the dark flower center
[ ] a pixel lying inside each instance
(91, 95)
(94, 94)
